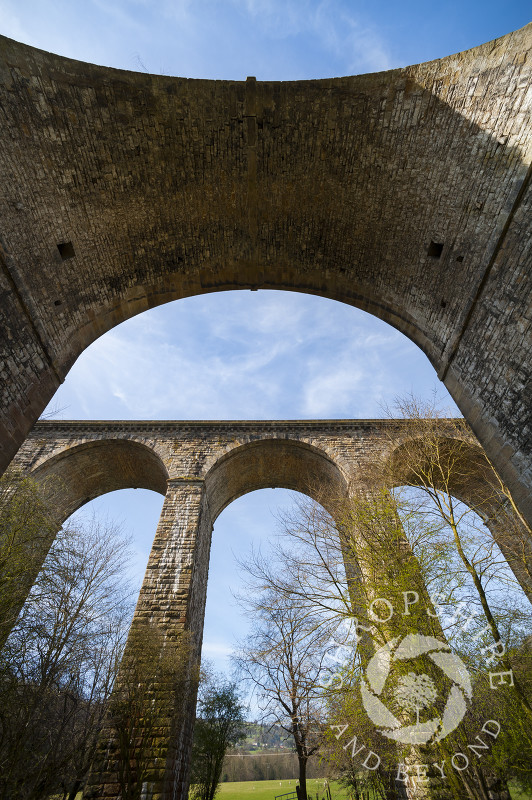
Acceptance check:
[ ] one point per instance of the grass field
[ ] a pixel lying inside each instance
(517, 794)
(268, 790)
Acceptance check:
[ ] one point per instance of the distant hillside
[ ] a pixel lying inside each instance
(268, 766)
(266, 754)
(261, 737)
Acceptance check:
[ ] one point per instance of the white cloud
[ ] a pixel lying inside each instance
(152, 376)
(359, 44)
(242, 355)
(12, 24)
(120, 14)
(355, 42)
(279, 19)
(333, 390)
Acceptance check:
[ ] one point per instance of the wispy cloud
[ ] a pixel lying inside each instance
(211, 649)
(249, 356)
(120, 14)
(333, 389)
(272, 39)
(12, 25)
(356, 42)
(277, 18)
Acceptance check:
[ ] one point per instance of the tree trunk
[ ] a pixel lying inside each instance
(302, 794)
(75, 789)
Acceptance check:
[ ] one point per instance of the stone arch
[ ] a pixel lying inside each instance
(82, 472)
(474, 482)
(74, 475)
(156, 188)
(273, 463)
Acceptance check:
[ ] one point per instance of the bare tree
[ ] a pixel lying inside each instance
(283, 658)
(58, 665)
(441, 461)
(353, 567)
(441, 457)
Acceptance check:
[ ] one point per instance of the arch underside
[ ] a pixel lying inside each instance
(81, 473)
(337, 187)
(273, 463)
(466, 474)
(405, 193)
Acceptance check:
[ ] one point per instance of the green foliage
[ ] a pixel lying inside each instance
(27, 529)
(219, 724)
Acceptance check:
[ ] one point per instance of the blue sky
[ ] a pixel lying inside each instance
(271, 39)
(243, 355)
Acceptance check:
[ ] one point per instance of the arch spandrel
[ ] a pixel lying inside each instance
(77, 474)
(273, 463)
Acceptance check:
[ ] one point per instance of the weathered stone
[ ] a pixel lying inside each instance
(404, 193)
(201, 467)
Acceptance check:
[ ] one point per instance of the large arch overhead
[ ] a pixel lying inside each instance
(405, 193)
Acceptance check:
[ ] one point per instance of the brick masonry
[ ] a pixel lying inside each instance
(404, 193)
(201, 467)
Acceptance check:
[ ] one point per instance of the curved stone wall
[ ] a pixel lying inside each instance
(75, 475)
(272, 463)
(405, 193)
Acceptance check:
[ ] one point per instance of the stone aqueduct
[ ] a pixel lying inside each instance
(405, 193)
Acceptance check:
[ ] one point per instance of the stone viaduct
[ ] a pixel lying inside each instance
(405, 193)
(201, 467)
